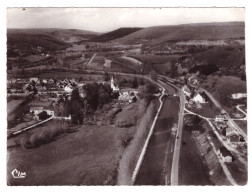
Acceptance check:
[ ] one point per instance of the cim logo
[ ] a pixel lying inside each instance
(17, 174)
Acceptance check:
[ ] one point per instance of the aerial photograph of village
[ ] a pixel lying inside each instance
(126, 96)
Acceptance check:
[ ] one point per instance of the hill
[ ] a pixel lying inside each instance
(223, 87)
(25, 44)
(223, 60)
(66, 35)
(116, 34)
(173, 33)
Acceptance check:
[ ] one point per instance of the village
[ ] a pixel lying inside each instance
(229, 138)
(46, 98)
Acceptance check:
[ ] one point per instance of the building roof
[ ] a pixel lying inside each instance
(186, 88)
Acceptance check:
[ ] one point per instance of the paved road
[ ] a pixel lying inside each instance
(176, 153)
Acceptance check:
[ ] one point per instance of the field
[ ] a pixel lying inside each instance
(34, 58)
(161, 64)
(89, 156)
(154, 59)
(13, 105)
(242, 125)
(223, 87)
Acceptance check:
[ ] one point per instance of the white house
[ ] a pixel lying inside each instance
(44, 81)
(199, 99)
(68, 89)
(220, 118)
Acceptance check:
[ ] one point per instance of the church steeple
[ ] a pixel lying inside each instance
(112, 85)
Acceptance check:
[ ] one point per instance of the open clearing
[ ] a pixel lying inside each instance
(89, 156)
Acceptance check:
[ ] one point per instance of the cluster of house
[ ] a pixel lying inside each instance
(194, 98)
(234, 138)
(41, 87)
(15, 87)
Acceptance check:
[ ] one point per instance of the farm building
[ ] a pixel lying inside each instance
(199, 99)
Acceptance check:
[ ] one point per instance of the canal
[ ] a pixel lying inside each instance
(158, 157)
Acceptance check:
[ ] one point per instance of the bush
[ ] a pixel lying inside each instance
(43, 135)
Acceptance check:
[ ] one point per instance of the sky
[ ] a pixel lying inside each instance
(107, 19)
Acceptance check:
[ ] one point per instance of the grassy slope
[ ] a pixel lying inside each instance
(211, 31)
(116, 34)
(87, 157)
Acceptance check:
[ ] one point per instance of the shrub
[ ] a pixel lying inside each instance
(43, 135)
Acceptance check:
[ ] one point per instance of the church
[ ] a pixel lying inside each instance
(112, 85)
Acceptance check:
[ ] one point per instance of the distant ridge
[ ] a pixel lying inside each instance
(115, 34)
(194, 31)
(66, 35)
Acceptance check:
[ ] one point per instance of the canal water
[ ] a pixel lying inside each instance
(151, 171)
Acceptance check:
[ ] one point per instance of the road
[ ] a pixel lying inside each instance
(238, 108)
(176, 153)
(230, 120)
(90, 61)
